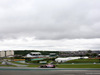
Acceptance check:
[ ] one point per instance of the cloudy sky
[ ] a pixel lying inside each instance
(50, 24)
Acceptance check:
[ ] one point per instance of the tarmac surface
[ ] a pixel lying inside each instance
(46, 71)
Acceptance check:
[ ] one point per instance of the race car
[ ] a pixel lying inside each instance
(47, 66)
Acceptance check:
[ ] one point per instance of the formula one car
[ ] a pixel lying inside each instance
(47, 66)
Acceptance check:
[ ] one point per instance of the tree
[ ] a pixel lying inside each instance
(88, 54)
(89, 51)
(94, 54)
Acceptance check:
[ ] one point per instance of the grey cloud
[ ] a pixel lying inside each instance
(53, 19)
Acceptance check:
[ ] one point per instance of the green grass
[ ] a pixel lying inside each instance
(33, 65)
(18, 63)
(84, 61)
(78, 66)
(28, 65)
(7, 66)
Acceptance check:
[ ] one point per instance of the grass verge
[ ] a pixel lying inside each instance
(33, 65)
(18, 63)
(84, 61)
(78, 66)
(8, 66)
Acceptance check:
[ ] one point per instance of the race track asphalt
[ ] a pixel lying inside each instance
(44, 71)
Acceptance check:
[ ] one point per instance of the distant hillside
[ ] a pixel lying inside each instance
(24, 52)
